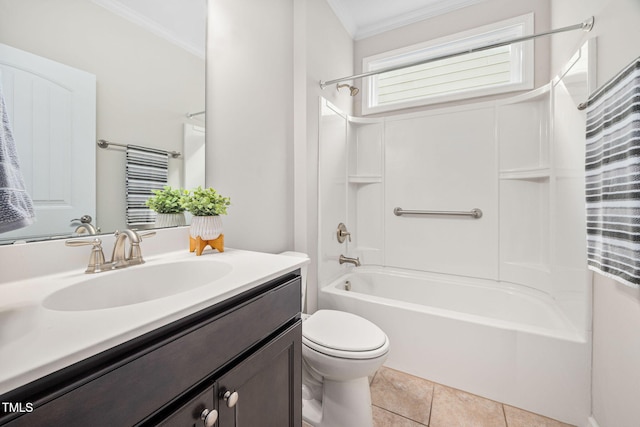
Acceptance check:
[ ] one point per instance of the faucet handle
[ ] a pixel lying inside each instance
(342, 233)
(96, 259)
(146, 234)
(84, 219)
(82, 242)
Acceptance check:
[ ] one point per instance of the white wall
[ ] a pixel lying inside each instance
(329, 54)
(250, 120)
(616, 308)
(145, 85)
(456, 21)
(265, 61)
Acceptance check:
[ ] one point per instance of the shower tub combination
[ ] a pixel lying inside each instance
(504, 342)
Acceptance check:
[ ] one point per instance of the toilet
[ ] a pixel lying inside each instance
(340, 351)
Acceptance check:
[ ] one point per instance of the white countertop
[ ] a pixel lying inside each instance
(36, 341)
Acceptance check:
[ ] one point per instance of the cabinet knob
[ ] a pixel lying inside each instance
(231, 398)
(209, 417)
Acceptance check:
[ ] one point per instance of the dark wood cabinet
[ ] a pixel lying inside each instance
(264, 389)
(194, 412)
(249, 345)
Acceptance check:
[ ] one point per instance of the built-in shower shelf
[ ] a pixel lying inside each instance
(365, 179)
(529, 173)
(364, 120)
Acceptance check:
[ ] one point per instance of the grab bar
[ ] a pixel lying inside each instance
(475, 212)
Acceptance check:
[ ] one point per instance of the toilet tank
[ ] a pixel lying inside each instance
(303, 273)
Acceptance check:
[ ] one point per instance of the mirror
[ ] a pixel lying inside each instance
(148, 61)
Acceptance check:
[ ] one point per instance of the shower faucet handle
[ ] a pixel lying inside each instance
(342, 233)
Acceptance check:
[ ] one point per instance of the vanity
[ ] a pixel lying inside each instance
(223, 352)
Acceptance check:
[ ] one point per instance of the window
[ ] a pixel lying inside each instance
(497, 70)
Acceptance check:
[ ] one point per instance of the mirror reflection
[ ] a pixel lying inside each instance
(77, 71)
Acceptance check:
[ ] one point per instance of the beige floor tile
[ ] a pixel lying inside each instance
(455, 408)
(384, 418)
(520, 418)
(402, 394)
(306, 425)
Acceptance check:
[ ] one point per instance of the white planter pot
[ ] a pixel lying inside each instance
(169, 220)
(206, 227)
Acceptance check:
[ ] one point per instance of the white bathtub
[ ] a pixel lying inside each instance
(504, 342)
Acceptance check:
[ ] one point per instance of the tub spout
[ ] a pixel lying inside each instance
(354, 261)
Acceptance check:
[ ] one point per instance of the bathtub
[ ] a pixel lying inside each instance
(504, 342)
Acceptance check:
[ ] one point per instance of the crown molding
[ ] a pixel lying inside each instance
(344, 16)
(139, 19)
(435, 8)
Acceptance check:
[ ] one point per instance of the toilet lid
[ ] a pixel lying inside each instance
(345, 332)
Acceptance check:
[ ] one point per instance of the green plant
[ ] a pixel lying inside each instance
(167, 200)
(205, 202)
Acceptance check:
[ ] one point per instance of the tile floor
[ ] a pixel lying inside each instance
(402, 400)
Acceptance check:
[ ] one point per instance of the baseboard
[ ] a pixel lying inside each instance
(592, 422)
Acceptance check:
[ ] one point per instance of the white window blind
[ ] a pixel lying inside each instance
(496, 70)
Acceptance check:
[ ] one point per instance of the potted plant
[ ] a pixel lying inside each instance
(167, 203)
(206, 206)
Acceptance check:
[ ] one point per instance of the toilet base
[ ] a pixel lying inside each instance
(344, 403)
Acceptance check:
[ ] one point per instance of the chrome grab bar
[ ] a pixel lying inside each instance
(475, 212)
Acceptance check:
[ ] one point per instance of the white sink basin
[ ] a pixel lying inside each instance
(136, 284)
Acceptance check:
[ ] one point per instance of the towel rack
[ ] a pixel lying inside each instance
(192, 115)
(103, 143)
(475, 212)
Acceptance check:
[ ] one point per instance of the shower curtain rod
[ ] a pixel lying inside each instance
(586, 26)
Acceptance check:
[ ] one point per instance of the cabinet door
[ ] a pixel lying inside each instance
(196, 412)
(265, 389)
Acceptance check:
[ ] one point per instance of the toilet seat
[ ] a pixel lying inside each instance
(343, 335)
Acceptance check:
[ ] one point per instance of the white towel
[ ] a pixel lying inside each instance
(16, 207)
(613, 178)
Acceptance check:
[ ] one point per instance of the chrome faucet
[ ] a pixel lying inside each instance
(120, 258)
(354, 261)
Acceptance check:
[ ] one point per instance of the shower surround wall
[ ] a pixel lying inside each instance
(495, 156)
(442, 161)
(519, 161)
